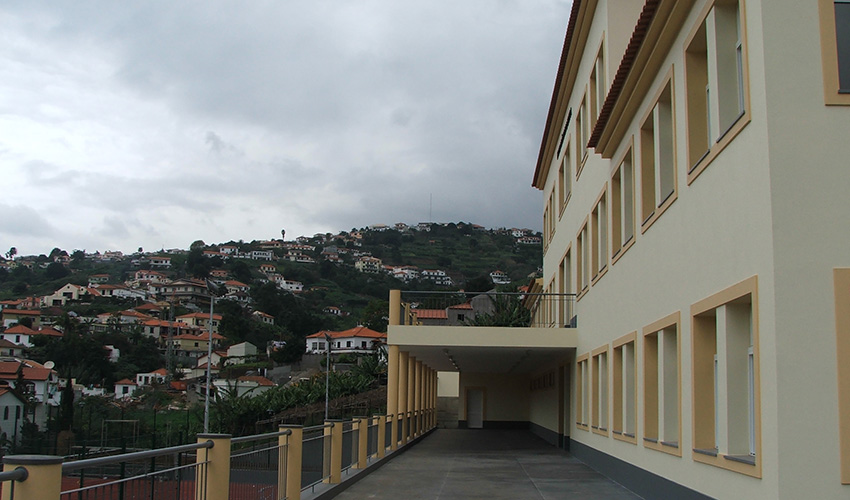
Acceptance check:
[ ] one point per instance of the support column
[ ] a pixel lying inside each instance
(434, 398)
(362, 424)
(417, 398)
(43, 477)
(411, 396)
(381, 427)
(217, 485)
(393, 393)
(294, 453)
(403, 362)
(395, 308)
(334, 430)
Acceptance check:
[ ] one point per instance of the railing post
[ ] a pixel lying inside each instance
(335, 432)
(44, 477)
(362, 442)
(294, 447)
(403, 362)
(381, 428)
(214, 483)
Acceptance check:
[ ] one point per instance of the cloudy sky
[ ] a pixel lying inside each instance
(154, 124)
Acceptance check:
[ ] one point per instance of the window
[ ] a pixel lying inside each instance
(662, 385)
(623, 207)
(582, 393)
(363, 342)
(321, 345)
(657, 155)
(599, 367)
(835, 50)
(624, 388)
(841, 279)
(726, 379)
(315, 345)
(17, 412)
(566, 287)
(582, 134)
(715, 83)
(582, 260)
(597, 86)
(5, 413)
(565, 179)
(348, 343)
(552, 213)
(599, 235)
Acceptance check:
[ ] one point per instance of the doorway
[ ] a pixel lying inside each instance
(475, 408)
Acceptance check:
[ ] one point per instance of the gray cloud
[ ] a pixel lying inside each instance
(231, 120)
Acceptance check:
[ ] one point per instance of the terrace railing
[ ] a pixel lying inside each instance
(272, 466)
(507, 309)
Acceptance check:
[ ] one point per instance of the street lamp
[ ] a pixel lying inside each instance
(214, 290)
(327, 373)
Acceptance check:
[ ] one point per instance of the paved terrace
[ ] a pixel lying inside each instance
(487, 464)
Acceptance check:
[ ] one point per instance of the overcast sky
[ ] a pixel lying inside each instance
(155, 124)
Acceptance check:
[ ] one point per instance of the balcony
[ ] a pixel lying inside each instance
(499, 309)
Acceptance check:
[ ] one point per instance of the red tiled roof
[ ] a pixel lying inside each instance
(360, 331)
(21, 312)
(21, 330)
(200, 315)
(466, 306)
(125, 381)
(49, 331)
(431, 313)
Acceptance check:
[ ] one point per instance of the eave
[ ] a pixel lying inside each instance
(656, 30)
(578, 29)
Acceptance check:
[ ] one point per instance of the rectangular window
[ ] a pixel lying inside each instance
(565, 179)
(597, 86)
(662, 385)
(599, 235)
(658, 168)
(566, 287)
(581, 136)
(582, 260)
(624, 388)
(582, 384)
(599, 368)
(715, 83)
(623, 207)
(835, 50)
(726, 379)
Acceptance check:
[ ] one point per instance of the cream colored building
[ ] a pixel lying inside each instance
(695, 199)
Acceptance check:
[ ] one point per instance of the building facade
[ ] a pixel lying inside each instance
(694, 200)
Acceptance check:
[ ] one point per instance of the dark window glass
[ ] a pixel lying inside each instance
(842, 31)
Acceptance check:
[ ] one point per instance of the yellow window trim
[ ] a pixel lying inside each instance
(829, 55)
(673, 319)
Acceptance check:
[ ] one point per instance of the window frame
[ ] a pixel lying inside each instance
(597, 399)
(832, 94)
(715, 145)
(582, 390)
(651, 397)
(582, 260)
(616, 225)
(617, 388)
(582, 134)
(703, 418)
(841, 283)
(599, 237)
(659, 205)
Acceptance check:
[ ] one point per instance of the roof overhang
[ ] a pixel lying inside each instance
(485, 349)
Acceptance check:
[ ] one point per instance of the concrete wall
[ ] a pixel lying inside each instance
(506, 397)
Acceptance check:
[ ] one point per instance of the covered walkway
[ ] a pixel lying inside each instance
(486, 464)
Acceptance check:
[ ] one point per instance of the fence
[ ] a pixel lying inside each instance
(272, 466)
(543, 310)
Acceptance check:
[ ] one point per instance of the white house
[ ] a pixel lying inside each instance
(125, 388)
(150, 378)
(251, 385)
(355, 340)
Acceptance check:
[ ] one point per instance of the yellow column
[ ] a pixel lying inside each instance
(294, 446)
(362, 426)
(434, 381)
(395, 308)
(43, 477)
(217, 485)
(381, 426)
(417, 398)
(393, 393)
(428, 409)
(403, 362)
(334, 430)
(411, 396)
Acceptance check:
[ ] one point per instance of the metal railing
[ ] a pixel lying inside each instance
(315, 461)
(502, 309)
(258, 466)
(9, 478)
(272, 466)
(167, 473)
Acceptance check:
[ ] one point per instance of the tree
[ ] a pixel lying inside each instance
(11, 253)
(197, 244)
(56, 271)
(197, 265)
(375, 315)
